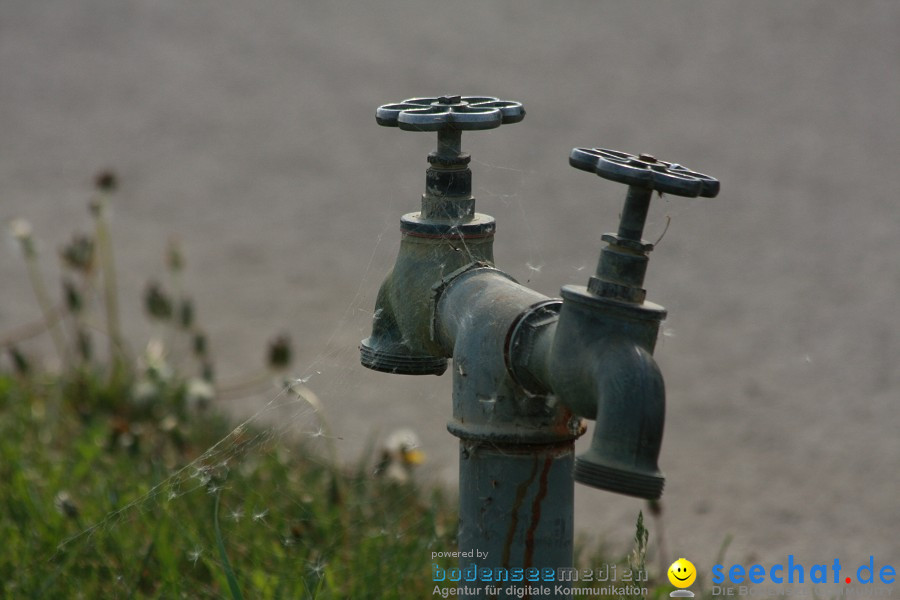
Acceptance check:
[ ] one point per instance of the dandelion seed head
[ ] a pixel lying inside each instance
(64, 504)
(21, 229)
(318, 567)
(202, 474)
(260, 515)
(200, 393)
(194, 555)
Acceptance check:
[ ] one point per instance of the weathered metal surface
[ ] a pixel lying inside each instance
(644, 170)
(474, 312)
(516, 505)
(443, 236)
(464, 113)
(527, 368)
(623, 263)
(610, 322)
(401, 340)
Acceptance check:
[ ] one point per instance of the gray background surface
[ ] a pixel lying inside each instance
(246, 130)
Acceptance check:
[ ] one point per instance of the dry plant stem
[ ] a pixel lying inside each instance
(110, 295)
(307, 395)
(32, 329)
(247, 385)
(51, 314)
(178, 334)
(663, 234)
(662, 552)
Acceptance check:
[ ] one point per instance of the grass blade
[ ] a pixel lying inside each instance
(229, 572)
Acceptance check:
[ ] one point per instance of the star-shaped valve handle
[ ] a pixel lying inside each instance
(643, 174)
(449, 116)
(620, 273)
(644, 171)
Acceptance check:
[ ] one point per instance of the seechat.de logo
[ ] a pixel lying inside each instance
(795, 572)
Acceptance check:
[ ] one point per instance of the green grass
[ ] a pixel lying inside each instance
(118, 479)
(159, 503)
(103, 506)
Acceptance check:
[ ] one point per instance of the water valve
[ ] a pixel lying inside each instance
(448, 181)
(527, 368)
(623, 263)
(402, 339)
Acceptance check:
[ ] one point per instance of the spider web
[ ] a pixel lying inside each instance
(305, 406)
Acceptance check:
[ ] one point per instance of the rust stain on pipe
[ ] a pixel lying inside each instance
(536, 512)
(521, 490)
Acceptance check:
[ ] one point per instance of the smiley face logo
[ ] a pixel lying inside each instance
(682, 573)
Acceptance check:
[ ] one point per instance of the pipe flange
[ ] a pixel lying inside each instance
(479, 226)
(399, 363)
(519, 343)
(620, 481)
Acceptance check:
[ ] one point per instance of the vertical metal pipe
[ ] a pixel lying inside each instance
(516, 515)
(516, 448)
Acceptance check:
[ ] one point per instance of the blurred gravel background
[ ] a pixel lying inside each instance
(246, 130)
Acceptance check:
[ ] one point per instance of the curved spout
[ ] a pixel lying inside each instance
(597, 360)
(630, 399)
(402, 329)
(398, 341)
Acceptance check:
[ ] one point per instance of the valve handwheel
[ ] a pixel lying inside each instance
(644, 171)
(449, 116)
(447, 215)
(448, 180)
(463, 113)
(643, 174)
(620, 272)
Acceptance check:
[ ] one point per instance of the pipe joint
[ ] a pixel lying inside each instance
(528, 344)
(475, 313)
